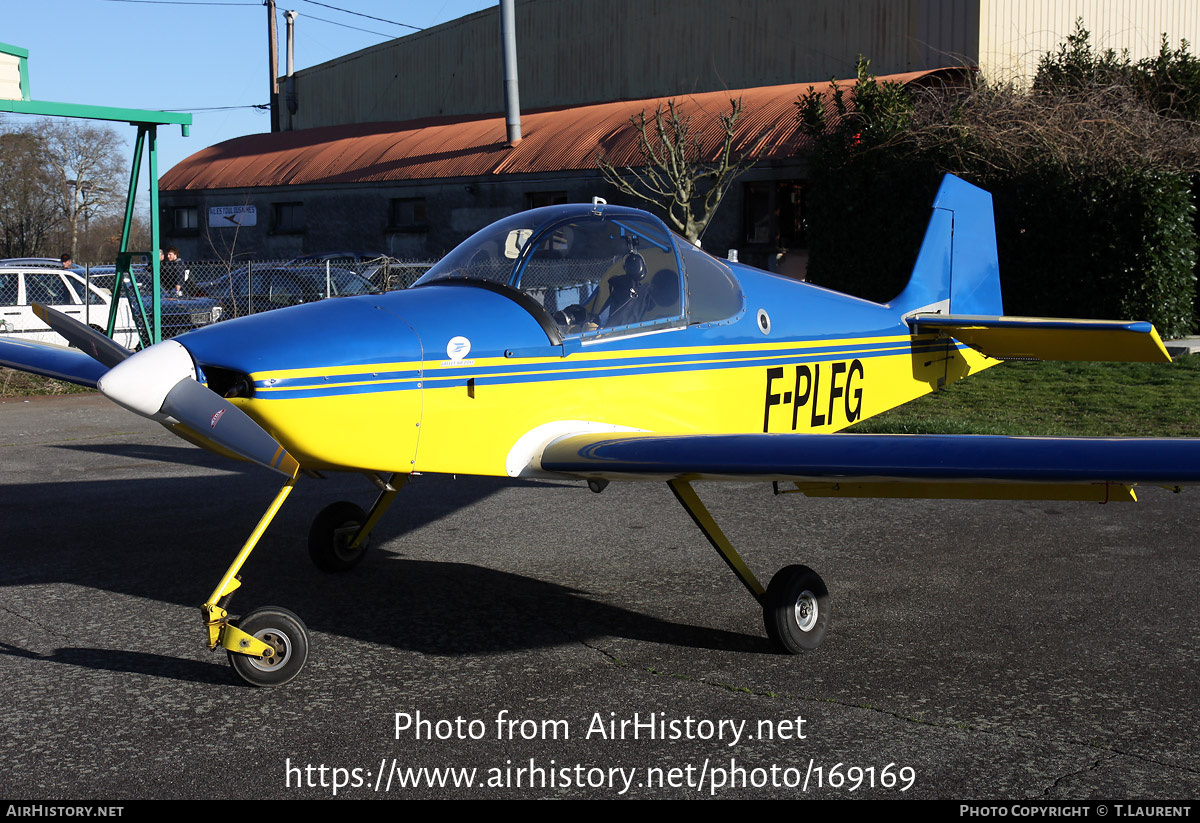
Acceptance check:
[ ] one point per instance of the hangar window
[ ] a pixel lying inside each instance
(288, 217)
(407, 214)
(185, 218)
(537, 199)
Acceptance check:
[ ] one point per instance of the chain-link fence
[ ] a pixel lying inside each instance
(248, 287)
(260, 285)
(195, 293)
(10, 306)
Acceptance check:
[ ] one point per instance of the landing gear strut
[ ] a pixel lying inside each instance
(341, 532)
(269, 646)
(795, 604)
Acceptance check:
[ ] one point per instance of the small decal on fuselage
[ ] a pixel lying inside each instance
(826, 391)
(215, 418)
(457, 350)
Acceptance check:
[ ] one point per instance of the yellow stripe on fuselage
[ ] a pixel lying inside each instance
(468, 419)
(589, 354)
(473, 434)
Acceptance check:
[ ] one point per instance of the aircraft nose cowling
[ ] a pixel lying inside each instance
(321, 336)
(337, 383)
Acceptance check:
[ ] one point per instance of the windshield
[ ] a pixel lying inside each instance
(596, 275)
(489, 254)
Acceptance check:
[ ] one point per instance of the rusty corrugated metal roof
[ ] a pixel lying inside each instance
(552, 140)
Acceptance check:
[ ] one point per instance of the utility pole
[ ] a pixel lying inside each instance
(512, 97)
(273, 61)
(290, 82)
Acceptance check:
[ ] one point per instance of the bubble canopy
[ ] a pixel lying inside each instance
(597, 269)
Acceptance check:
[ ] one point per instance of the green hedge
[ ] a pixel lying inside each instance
(1104, 246)
(866, 220)
(1107, 246)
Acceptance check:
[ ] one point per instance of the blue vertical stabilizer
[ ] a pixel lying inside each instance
(957, 269)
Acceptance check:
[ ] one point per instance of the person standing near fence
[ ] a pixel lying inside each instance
(175, 275)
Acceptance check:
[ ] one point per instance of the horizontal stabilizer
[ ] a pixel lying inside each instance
(878, 458)
(1048, 338)
(49, 360)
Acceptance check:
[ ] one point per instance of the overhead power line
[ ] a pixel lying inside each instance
(360, 14)
(347, 26)
(254, 5)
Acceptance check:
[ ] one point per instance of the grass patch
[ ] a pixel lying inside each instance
(15, 383)
(1063, 399)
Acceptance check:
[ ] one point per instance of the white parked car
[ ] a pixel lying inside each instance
(20, 287)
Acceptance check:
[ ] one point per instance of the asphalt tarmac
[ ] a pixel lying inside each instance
(518, 639)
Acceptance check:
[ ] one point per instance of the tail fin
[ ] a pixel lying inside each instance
(957, 270)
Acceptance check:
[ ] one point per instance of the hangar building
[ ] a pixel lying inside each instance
(401, 148)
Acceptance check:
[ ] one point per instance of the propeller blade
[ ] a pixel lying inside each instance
(160, 383)
(83, 337)
(214, 417)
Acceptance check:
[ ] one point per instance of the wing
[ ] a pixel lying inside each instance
(49, 360)
(891, 465)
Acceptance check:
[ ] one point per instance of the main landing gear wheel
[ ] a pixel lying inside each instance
(329, 537)
(284, 632)
(796, 609)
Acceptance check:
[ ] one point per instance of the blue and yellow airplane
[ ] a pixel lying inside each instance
(587, 341)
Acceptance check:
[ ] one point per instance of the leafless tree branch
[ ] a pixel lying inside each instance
(673, 175)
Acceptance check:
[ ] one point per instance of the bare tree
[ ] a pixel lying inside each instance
(55, 178)
(103, 240)
(86, 164)
(28, 211)
(674, 174)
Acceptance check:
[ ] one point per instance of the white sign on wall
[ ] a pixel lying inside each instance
(230, 216)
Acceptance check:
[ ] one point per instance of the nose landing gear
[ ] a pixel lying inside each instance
(269, 646)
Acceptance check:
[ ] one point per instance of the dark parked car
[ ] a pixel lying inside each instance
(262, 288)
(385, 272)
(179, 314)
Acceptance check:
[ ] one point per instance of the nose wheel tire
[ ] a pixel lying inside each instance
(284, 632)
(796, 609)
(329, 537)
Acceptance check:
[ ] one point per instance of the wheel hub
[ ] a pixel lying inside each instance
(806, 611)
(342, 537)
(277, 641)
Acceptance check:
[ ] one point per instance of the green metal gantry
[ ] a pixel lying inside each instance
(15, 98)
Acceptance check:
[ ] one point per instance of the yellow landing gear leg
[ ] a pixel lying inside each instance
(341, 532)
(795, 604)
(268, 646)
